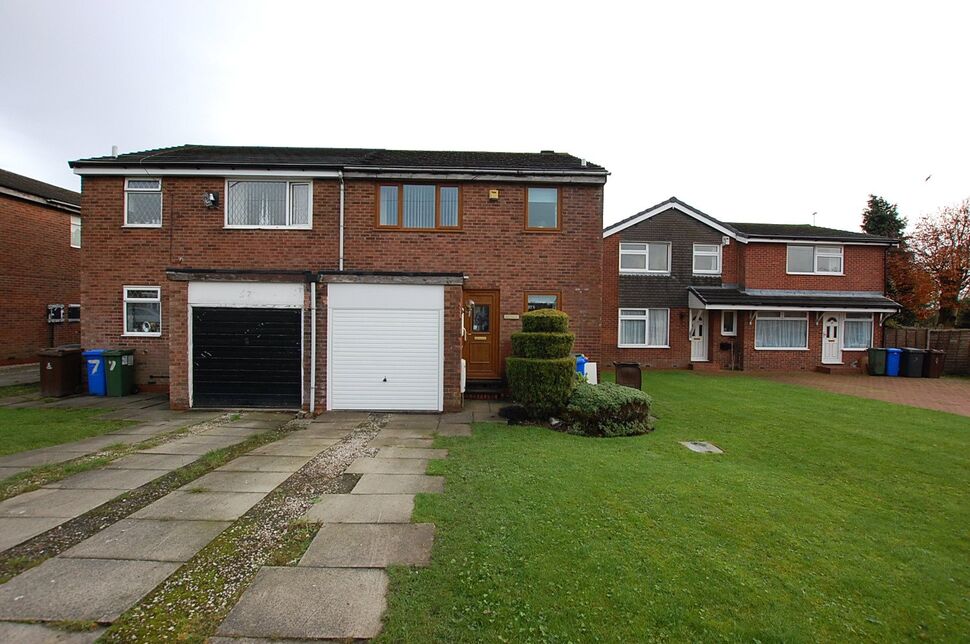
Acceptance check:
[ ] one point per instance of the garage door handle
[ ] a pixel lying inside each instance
(385, 379)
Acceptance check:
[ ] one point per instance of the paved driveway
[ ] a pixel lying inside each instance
(949, 394)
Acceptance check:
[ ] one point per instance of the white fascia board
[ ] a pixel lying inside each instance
(815, 242)
(130, 171)
(448, 175)
(43, 201)
(755, 307)
(674, 206)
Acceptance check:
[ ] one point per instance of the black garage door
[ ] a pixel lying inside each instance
(246, 358)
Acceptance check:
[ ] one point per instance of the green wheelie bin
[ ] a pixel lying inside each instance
(119, 368)
(877, 362)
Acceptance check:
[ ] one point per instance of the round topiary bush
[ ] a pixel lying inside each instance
(545, 321)
(540, 372)
(608, 409)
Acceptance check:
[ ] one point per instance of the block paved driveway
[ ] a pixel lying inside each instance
(949, 394)
(337, 590)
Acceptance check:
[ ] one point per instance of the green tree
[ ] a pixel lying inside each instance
(882, 218)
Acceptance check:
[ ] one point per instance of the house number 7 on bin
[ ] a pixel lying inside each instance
(94, 364)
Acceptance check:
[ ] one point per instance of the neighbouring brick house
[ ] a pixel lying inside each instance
(40, 239)
(682, 289)
(214, 262)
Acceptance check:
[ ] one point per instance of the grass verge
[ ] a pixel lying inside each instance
(19, 390)
(23, 429)
(828, 518)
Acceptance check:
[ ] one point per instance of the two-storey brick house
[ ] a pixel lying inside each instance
(682, 289)
(40, 241)
(333, 278)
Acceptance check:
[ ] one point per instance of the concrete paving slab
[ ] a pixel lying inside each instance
(400, 432)
(98, 590)
(196, 449)
(282, 417)
(388, 466)
(455, 430)
(40, 634)
(310, 603)
(108, 479)
(209, 439)
(19, 374)
(36, 457)
(398, 484)
(148, 540)
(352, 417)
(264, 425)
(266, 464)
(255, 640)
(237, 481)
(459, 417)
(144, 429)
(362, 508)
(47, 502)
(200, 506)
(11, 471)
(411, 452)
(152, 461)
(394, 441)
(323, 431)
(241, 432)
(14, 530)
(98, 443)
(287, 448)
(369, 545)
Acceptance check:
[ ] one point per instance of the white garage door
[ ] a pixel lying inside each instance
(385, 347)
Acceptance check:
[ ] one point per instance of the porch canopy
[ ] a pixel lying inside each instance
(734, 299)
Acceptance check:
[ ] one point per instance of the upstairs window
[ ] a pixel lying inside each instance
(143, 310)
(811, 260)
(75, 231)
(645, 257)
(542, 209)
(418, 207)
(143, 203)
(707, 259)
(268, 204)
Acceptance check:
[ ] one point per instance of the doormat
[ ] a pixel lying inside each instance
(702, 447)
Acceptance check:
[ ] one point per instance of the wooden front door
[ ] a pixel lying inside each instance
(481, 347)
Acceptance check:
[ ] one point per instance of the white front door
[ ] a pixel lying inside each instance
(832, 339)
(698, 335)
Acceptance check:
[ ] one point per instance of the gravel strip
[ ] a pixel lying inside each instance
(191, 603)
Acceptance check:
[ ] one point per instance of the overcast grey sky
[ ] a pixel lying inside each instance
(748, 111)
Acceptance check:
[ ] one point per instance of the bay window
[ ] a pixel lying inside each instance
(781, 330)
(266, 203)
(648, 328)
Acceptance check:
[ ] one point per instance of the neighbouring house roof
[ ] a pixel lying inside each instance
(747, 232)
(34, 190)
(363, 159)
(734, 298)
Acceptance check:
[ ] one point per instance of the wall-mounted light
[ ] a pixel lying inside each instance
(210, 199)
(493, 195)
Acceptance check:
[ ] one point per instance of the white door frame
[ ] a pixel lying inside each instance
(698, 341)
(832, 346)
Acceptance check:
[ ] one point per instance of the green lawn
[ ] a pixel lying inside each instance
(23, 429)
(828, 518)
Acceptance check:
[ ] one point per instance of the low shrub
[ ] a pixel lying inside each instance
(545, 321)
(542, 345)
(608, 410)
(541, 386)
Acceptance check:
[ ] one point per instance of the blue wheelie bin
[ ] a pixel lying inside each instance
(892, 361)
(97, 380)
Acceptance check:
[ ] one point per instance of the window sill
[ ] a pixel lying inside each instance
(781, 348)
(141, 335)
(655, 273)
(855, 350)
(400, 229)
(642, 346)
(310, 227)
(141, 226)
(823, 273)
(729, 335)
(696, 274)
(543, 230)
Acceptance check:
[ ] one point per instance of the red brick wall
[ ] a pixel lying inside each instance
(766, 268)
(492, 248)
(37, 267)
(794, 360)
(495, 251)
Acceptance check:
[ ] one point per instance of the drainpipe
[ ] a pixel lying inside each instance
(313, 344)
(340, 258)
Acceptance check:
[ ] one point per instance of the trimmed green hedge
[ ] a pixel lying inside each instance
(541, 386)
(608, 410)
(542, 345)
(545, 321)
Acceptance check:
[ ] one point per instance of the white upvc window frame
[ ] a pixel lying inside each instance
(734, 316)
(646, 256)
(289, 181)
(815, 257)
(716, 254)
(76, 227)
(790, 315)
(872, 328)
(646, 331)
(124, 310)
(161, 200)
